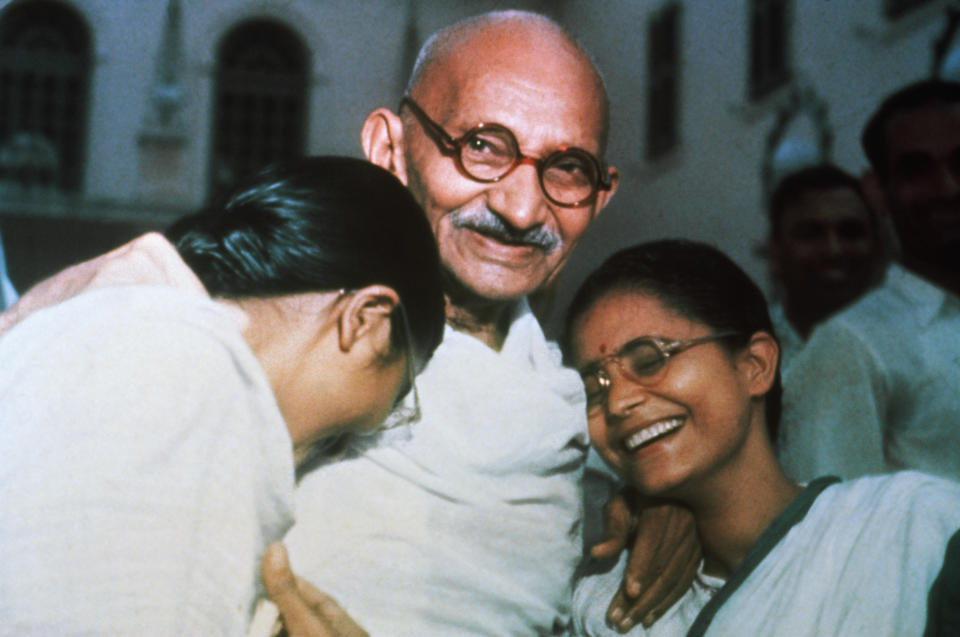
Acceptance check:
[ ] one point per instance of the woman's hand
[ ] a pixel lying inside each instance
(304, 610)
(663, 561)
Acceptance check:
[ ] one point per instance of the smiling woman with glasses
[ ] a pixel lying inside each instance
(679, 359)
(150, 433)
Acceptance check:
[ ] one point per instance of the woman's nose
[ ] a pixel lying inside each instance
(623, 393)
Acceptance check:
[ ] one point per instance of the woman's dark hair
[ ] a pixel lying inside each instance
(320, 224)
(694, 280)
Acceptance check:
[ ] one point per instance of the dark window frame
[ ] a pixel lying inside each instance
(664, 44)
(46, 57)
(769, 59)
(896, 9)
(260, 100)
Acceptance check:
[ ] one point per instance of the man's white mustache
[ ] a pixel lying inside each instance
(487, 222)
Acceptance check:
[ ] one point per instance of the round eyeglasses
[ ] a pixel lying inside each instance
(487, 153)
(641, 360)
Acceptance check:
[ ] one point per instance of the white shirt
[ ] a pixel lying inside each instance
(857, 558)
(877, 387)
(145, 466)
(470, 523)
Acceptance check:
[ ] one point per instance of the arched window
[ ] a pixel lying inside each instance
(259, 102)
(769, 46)
(663, 88)
(44, 85)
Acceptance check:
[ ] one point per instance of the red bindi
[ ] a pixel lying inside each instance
(603, 349)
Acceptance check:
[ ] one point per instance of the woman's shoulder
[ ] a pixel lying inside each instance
(899, 488)
(145, 318)
(125, 334)
(860, 561)
(904, 503)
(120, 305)
(144, 304)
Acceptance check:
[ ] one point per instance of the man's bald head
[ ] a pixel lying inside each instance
(513, 74)
(484, 41)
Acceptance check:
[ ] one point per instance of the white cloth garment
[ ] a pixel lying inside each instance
(470, 523)
(145, 467)
(877, 387)
(857, 559)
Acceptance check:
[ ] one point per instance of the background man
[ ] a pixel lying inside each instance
(875, 388)
(824, 248)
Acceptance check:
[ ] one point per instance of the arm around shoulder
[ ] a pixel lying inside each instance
(147, 260)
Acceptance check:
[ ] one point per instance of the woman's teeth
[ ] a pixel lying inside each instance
(653, 431)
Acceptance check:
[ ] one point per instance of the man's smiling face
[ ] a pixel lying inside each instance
(505, 239)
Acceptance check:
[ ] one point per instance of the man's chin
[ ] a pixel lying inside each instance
(496, 285)
(496, 292)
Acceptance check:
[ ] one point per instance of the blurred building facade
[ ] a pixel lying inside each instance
(120, 115)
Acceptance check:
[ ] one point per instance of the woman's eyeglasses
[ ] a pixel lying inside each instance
(641, 360)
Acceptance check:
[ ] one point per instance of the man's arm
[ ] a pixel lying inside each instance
(663, 560)
(834, 406)
(147, 260)
(303, 610)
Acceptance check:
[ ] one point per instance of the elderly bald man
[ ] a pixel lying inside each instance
(470, 523)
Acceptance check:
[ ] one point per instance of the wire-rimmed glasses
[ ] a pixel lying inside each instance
(641, 360)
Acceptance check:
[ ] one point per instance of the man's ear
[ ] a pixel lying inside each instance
(382, 142)
(603, 196)
(759, 363)
(365, 314)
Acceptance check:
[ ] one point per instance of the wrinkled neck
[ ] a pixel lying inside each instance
(488, 322)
